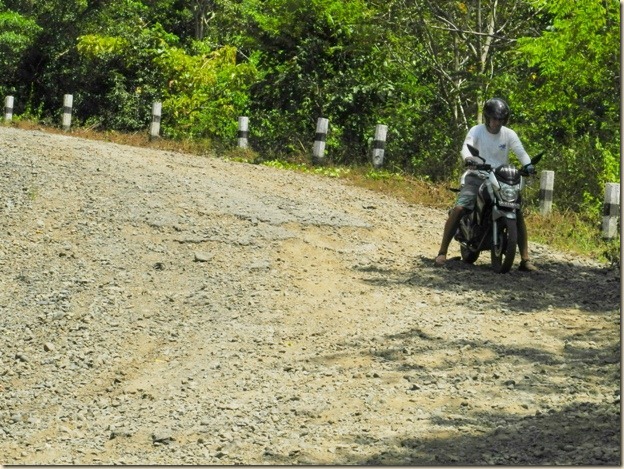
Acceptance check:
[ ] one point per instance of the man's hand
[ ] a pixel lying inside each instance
(471, 161)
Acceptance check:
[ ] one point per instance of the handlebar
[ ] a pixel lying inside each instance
(479, 167)
(486, 167)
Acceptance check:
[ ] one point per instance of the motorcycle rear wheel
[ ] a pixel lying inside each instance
(504, 248)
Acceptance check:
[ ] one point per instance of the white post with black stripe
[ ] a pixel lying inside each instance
(156, 116)
(318, 151)
(379, 145)
(547, 183)
(8, 108)
(68, 103)
(243, 132)
(611, 210)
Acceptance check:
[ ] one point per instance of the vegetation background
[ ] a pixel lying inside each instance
(422, 67)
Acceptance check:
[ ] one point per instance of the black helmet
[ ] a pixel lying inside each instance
(496, 108)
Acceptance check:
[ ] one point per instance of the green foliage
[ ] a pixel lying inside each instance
(94, 47)
(571, 96)
(203, 91)
(119, 79)
(286, 165)
(17, 34)
(318, 59)
(571, 231)
(332, 171)
(380, 174)
(581, 34)
(327, 171)
(206, 93)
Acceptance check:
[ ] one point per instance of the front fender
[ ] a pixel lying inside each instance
(498, 213)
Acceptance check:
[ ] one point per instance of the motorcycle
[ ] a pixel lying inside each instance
(492, 225)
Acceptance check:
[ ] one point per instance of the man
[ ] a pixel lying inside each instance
(494, 141)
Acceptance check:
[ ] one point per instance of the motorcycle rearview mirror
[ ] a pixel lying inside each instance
(536, 159)
(473, 151)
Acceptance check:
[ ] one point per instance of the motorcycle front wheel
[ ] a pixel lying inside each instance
(468, 256)
(504, 247)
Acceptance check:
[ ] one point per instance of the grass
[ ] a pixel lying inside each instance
(569, 231)
(563, 230)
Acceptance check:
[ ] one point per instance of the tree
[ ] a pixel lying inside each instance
(48, 65)
(206, 92)
(455, 54)
(571, 93)
(317, 60)
(203, 89)
(17, 34)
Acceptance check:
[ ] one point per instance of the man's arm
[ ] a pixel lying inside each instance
(517, 148)
(469, 140)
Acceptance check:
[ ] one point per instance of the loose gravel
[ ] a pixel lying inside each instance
(165, 309)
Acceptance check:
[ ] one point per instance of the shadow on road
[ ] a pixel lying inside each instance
(582, 434)
(559, 284)
(579, 433)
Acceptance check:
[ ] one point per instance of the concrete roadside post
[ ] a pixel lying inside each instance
(547, 183)
(318, 150)
(68, 102)
(8, 108)
(611, 210)
(243, 132)
(379, 145)
(156, 116)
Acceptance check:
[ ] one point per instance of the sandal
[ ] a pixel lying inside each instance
(527, 266)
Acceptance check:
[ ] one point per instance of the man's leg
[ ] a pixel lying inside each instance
(523, 245)
(465, 201)
(450, 227)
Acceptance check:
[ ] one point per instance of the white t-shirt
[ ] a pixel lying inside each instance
(495, 147)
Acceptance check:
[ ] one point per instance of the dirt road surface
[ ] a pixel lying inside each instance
(161, 308)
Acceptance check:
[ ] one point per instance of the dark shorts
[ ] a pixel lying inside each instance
(468, 192)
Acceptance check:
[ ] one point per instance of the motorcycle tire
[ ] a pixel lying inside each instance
(468, 256)
(503, 249)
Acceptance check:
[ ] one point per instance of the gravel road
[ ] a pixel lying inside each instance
(165, 309)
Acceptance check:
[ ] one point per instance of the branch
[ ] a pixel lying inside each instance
(455, 29)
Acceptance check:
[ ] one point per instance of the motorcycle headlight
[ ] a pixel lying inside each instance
(508, 193)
